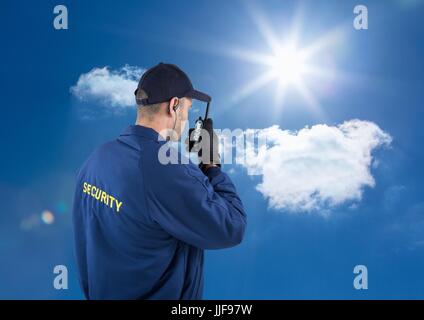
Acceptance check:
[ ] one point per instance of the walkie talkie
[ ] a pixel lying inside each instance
(196, 132)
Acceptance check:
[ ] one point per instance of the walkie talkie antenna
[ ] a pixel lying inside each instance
(207, 110)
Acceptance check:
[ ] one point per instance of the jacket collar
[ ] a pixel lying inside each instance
(141, 131)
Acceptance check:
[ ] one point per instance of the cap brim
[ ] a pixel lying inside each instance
(199, 96)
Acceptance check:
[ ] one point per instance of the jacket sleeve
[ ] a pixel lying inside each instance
(201, 210)
(80, 240)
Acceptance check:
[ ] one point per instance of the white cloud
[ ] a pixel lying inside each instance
(318, 167)
(113, 88)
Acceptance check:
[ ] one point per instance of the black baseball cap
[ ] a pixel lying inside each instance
(165, 81)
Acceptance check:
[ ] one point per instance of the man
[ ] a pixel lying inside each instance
(141, 226)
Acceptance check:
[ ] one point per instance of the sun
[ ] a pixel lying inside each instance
(288, 65)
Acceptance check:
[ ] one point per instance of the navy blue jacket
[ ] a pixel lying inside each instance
(141, 226)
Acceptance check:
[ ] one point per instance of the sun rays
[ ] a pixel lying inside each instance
(288, 66)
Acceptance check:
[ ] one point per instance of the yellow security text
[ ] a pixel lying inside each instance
(102, 196)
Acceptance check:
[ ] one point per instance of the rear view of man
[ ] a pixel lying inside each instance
(141, 226)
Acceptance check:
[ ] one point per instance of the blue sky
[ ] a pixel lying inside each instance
(48, 132)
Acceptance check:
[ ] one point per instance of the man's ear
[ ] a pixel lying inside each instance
(174, 104)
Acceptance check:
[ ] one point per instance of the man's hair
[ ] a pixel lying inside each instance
(148, 111)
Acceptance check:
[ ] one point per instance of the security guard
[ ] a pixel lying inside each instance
(141, 226)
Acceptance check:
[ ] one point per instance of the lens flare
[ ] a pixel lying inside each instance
(47, 217)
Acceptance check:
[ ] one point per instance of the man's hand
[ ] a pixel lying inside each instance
(208, 146)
